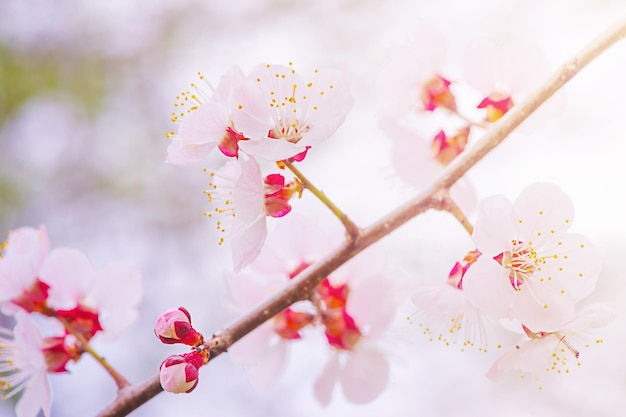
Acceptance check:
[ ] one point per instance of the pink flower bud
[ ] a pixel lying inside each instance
(174, 326)
(179, 373)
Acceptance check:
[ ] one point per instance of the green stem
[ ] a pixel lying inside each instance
(351, 229)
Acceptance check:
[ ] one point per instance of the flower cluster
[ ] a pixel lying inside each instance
(80, 302)
(529, 270)
(416, 90)
(271, 114)
(179, 373)
(339, 311)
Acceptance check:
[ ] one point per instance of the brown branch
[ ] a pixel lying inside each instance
(300, 288)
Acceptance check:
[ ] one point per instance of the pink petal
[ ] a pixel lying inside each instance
(269, 368)
(180, 154)
(31, 244)
(69, 274)
(204, 126)
(365, 375)
(325, 382)
(247, 241)
(37, 396)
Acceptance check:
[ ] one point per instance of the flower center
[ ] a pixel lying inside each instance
(290, 130)
(521, 262)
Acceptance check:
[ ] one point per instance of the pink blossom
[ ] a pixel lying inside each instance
(531, 268)
(104, 298)
(25, 252)
(541, 351)
(241, 200)
(204, 122)
(419, 162)
(340, 310)
(23, 367)
(505, 73)
(412, 79)
(283, 113)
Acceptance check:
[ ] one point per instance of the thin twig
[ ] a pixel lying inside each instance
(300, 287)
(352, 230)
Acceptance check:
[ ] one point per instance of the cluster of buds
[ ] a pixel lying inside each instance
(179, 373)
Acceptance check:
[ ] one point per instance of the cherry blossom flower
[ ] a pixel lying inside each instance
(241, 200)
(531, 268)
(445, 313)
(419, 162)
(340, 308)
(21, 286)
(204, 122)
(283, 113)
(360, 366)
(23, 367)
(412, 78)
(504, 73)
(553, 351)
(96, 301)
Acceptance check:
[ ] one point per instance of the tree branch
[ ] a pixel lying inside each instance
(300, 288)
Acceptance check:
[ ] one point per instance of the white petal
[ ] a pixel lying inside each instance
(486, 284)
(541, 308)
(247, 241)
(528, 356)
(493, 231)
(591, 316)
(573, 264)
(440, 299)
(37, 396)
(365, 375)
(542, 212)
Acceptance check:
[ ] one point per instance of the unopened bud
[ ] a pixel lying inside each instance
(174, 326)
(179, 373)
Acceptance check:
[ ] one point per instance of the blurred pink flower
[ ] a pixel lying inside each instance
(531, 269)
(103, 299)
(542, 351)
(504, 73)
(341, 305)
(21, 287)
(412, 78)
(23, 367)
(284, 114)
(419, 162)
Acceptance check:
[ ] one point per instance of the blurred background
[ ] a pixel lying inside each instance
(86, 91)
